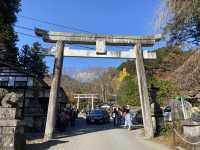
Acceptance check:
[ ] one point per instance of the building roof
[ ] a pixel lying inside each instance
(19, 69)
(45, 82)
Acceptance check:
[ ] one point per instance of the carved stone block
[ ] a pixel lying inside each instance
(9, 113)
(11, 135)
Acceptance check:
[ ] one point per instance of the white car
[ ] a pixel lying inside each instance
(167, 113)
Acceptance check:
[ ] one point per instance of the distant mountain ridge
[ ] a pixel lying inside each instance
(88, 75)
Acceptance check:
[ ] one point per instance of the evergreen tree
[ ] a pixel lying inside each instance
(32, 60)
(24, 56)
(8, 38)
(128, 93)
(180, 21)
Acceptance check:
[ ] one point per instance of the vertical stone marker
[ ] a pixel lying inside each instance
(143, 92)
(55, 85)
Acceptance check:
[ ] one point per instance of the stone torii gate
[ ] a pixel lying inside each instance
(85, 96)
(62, 38)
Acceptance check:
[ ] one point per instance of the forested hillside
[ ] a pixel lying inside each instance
(164, 72)
(186, 77)
(172, 72)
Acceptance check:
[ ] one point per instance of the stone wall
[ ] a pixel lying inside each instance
(11, 127)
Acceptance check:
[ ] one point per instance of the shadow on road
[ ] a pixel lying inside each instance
(44, 145)
(35, 140)
(80, 128)
(83, 128)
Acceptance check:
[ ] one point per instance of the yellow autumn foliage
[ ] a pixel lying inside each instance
(122, 75)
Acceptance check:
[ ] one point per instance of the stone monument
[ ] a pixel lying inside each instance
(191, 127)
(11, 126)
(157, 114)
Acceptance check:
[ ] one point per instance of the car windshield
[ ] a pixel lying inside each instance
(167, 109)
(97, 112)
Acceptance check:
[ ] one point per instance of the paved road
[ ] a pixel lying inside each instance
(98, 137)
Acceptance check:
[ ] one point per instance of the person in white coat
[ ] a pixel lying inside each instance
(128, 120)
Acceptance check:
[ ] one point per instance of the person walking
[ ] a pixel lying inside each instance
(128, 120)
(123, 117)
(62, 121)
(72, 117)
(77, 112)
(119, 117)
(114, 116)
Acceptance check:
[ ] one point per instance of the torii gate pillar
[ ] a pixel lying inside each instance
(92, 102)
(143, 92)
(78, 102)
(55, 85)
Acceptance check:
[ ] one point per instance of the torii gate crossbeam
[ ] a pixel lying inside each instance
(61, 38)
(85, 96)
(131, 54)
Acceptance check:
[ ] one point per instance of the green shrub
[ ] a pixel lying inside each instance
(166, 129)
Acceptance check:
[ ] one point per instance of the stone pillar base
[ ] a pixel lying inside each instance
(191, 128)
(11, 135)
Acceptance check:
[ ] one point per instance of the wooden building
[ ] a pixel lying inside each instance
(35, 94)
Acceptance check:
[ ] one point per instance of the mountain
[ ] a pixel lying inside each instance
(88, 75)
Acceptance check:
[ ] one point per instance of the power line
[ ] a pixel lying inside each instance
(32, 36)
(58, 25)
(55, 24)
(29, 35)
(23, 27)
(30, 29)
(76, 45)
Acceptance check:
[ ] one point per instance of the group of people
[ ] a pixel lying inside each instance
(66, 117)
(122, 117)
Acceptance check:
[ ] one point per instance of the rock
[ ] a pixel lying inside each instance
(196, 116)
(11, 100)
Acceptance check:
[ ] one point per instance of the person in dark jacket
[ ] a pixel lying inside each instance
(119, 117)
(114, 116)
(73, 117)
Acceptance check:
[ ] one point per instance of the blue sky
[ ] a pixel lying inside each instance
(127, 17)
